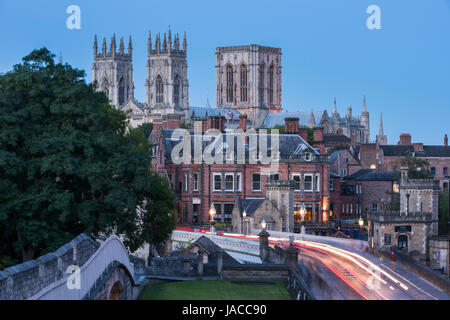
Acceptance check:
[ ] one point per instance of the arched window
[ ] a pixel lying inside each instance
(229, 73)
(159, 90)
(105, 87)
(271, 80)
(121, 92)
(262, 70)
(243, 74)
(176, 90)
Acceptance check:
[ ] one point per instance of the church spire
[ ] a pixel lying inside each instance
(121, 49)
(130, 47)
(149, 43)
(113, 45)
(380, 133)
(95, 46)
(170, 41)
(184, 42)
(158, 43)
(165, 43)
(312, 120)
(334, 108)
(104, 47)
(364, 105)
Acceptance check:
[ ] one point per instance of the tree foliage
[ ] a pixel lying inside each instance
(444, 214)
(69, 165)
(417, 168)
(146, 129)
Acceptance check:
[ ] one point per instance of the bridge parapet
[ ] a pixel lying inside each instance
(24, 280)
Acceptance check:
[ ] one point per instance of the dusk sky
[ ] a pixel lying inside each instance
(327, 50)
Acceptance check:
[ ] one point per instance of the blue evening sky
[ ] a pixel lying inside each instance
(403, 69)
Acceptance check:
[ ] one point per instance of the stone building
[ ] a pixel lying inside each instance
(276, 209)
(248, 79)
(413, 226)
(387, 157)
(112, 72)
(198, 186)
(167, 86)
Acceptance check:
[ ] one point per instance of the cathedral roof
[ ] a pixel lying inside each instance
(201, 112)
(273, 119)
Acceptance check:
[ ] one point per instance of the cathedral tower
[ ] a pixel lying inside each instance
(365, 122)
(167, 84)
(248, 79)
(112, 72)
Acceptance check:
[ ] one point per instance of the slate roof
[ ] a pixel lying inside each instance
(291, 146)
(335, 155)
(249, 205)
(336, 138)
(428, 151)
(334, 175)
(196, 112)
(212, 249)
(370, 175)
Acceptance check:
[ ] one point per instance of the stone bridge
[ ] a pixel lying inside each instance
(81, 269)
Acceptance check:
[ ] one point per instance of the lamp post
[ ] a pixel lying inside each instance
(244, 215)
(263, 224)
(212, 212)
(302, 214)
(361, 223)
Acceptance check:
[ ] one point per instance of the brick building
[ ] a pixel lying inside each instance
(412, 227)
(198, 186)
(387, 157)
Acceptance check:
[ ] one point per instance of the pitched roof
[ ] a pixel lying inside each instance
(370, 175)
(212, 249)
(249, 205)
(291, 146)
(428, 151)
(336, 138)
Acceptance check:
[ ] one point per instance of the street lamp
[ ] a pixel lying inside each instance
(361, 223)
(244, 215)
(263, 224)
(212, 212)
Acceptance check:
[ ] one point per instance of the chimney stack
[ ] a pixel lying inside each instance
(243, 122)
(405, 139)
(445, 140)
(291, 125)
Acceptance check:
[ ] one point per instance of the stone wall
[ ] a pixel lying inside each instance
(24, 280)
(256, 272)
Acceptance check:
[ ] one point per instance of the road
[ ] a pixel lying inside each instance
(353, 274)
(358, 276)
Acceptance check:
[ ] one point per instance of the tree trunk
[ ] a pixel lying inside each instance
(27, 253)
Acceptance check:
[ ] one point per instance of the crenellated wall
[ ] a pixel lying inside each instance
(24, 280)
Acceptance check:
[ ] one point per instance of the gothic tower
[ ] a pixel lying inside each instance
(381, 138)
(365, 122)
(112, 72)
(167, 85)
(248, 79)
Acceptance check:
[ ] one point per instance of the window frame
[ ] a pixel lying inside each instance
(253, 182)
(214, 182)
(311, 182)
(232, 181)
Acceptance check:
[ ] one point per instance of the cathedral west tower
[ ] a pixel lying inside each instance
(112, 72)
(248, 79)
(167, 87)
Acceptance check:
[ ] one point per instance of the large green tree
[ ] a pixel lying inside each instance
(68, 164)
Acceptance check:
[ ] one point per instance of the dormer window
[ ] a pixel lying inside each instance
(308, 156)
